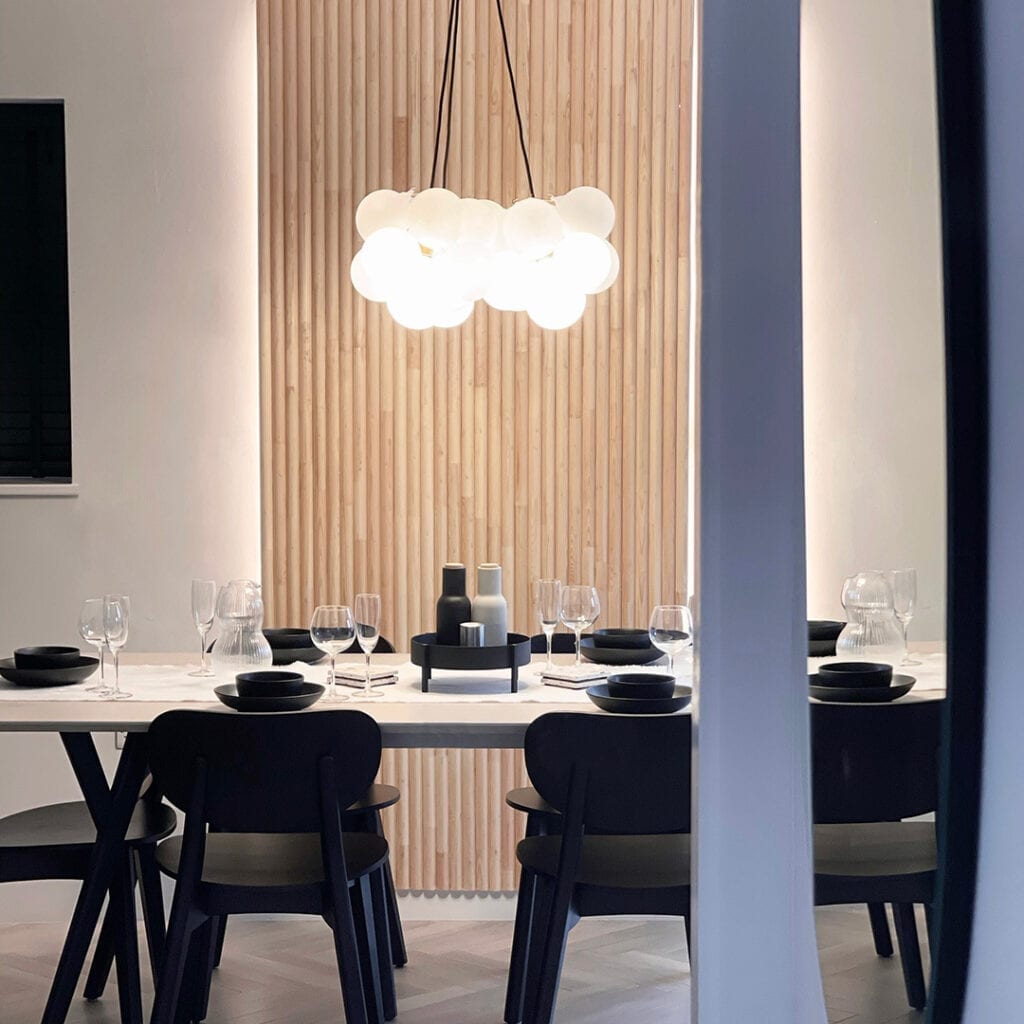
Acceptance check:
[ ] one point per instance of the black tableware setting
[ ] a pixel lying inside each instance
(49, 665)
(269, 691)
(605, 655)
(623, 639)
(291, 645)
(676, 701)
(821, 637)
(855, 673)
(859, 682)
(641, 685)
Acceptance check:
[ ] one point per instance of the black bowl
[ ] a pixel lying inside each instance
(287, 655)
(821, 648)
(622, 639)
(268, 684)
(618, 655)
(64, 675)
(824, 629)
(46, 657)
(854, 673)
(641, 685)
(863, 694)
(309, 694)
(678, 700)
(280, 638)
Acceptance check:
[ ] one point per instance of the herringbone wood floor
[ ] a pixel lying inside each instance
(283, 972)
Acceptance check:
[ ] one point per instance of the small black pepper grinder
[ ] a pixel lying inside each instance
(453, 606)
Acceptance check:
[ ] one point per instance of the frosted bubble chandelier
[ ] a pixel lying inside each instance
(431, 255)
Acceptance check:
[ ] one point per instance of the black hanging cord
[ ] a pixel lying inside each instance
(447, 86)
(515, 96)
(451, 89)
(444, 88)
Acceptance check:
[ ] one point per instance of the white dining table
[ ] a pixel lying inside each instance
(468, 711)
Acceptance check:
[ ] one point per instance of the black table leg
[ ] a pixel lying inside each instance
(111, 809)
(425, 679)
(515, 677)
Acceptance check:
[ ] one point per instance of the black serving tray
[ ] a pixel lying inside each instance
(430, 655)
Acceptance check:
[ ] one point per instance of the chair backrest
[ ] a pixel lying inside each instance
(561, 643)
(262, 770)
(637, 770)
(875, 762)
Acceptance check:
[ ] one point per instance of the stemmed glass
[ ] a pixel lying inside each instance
(549, 596)
(671, 631)
(904, 601)
(368, 633)
(116, 609)
(332, 629)
(204, 599)
(90, 627)
(579, 608)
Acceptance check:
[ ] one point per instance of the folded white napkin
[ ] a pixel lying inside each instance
(570, 679)
(357, 677)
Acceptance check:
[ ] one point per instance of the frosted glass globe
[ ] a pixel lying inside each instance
(370, 287)
(453, 316)
(587, 209)
(613, 271)
(480, 223)
(381, 209)
(554, 309)
(435, 216)
(582, 261)
(467, 269)
(389, 253)
(511, 280)
(533, 227)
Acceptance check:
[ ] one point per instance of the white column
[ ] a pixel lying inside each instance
(755, 952)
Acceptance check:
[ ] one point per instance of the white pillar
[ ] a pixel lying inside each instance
(755, 952)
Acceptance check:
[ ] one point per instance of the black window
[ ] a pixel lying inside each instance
(35, 371)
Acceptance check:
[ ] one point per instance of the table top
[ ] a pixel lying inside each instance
(481, 714)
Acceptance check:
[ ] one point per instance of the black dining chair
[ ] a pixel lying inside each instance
(621, 790)
(264, 798)
(56, 842)
(873, 766)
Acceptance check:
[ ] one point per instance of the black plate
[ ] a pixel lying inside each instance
(863, 694)
(637, 706)
(821, 648)
(617, 655)
(286, 655)
(311, 693)
(66, 676)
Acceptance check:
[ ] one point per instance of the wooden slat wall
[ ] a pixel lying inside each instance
(386, 453)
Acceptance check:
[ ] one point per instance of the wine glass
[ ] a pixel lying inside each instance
(332, 629)
(367, 610)
(579, 608)
(671, 631)
(204, 598)
(549, 595)
(116, 610)
(90, 628)
(904, 602)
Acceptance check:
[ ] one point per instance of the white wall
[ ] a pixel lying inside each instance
(160, 106)
(872, 286)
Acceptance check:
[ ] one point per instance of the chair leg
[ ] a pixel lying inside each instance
(102, 958)
(929, 925)
(152, 905)
(689, 944)
(910, 953)
(557, 933)
(515, 990)
(222, 930)
(385, 961)
(346, 951)
(362, 900)
(399, 957)
(880, 929)
(540, 911)
(126, 942)
(172, 970)
(201, 967)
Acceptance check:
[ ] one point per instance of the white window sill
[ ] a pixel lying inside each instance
(42, 490)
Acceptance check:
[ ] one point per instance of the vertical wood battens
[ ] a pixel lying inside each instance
(385, 452)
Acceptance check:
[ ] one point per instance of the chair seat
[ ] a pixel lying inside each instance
(616, 862)
(529, 800)
(273, 860)
(70, 825)
(887, 848)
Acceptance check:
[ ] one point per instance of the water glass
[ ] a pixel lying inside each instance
(367, 610)
(579, 608)
(116, 610)
(671, 631)
(548, 598)
(204, 599)
(90, 628)
(332, 629)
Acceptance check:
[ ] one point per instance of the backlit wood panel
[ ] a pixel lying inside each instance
(385, 452)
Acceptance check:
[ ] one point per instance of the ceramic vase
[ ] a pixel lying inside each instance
(453, 606)
(489, 605)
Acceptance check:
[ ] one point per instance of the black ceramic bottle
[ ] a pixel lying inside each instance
(453, 606)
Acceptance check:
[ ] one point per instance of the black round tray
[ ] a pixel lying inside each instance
(429, 655)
